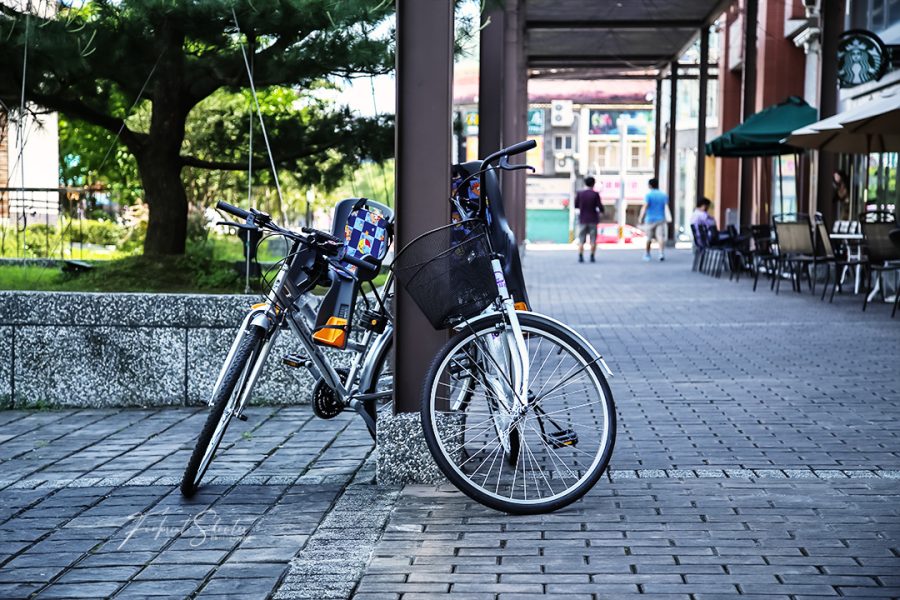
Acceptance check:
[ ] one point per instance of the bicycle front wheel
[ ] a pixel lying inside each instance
(224, 404)
(523, 456)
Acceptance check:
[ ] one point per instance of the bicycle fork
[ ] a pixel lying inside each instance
(508, 354)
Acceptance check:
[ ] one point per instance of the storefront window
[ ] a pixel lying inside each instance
(784, 185)
(874, 15)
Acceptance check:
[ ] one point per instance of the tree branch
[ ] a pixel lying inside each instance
(82, 111)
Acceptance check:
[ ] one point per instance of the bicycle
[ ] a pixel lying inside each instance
(549, 430)
(482, 401)
(315, 257)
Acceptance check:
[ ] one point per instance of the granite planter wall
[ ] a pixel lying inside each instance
(102, 350)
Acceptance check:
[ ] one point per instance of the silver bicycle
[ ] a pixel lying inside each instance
(516, 409)
(315, 258)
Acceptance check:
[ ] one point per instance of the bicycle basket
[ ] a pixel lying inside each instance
(448, 272)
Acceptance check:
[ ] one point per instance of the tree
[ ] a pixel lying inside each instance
(96, 62)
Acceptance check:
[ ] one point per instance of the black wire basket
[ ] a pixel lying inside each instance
(448, 272)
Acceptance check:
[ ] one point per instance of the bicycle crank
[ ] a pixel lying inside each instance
(325, 403)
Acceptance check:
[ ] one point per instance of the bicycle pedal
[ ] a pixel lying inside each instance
(295, 360)
(241, 417)
(563, 438)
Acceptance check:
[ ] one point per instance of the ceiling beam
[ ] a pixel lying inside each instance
(648, 24)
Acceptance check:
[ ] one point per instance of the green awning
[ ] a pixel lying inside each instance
(762, 133)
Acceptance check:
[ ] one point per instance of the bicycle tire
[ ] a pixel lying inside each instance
(534, 326)
(211, 436)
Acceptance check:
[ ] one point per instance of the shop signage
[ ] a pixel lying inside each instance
(535, 121)
(472, 122)
(862, 57)
(606, 122)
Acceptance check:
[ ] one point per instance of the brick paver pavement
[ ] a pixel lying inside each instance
(757, 454)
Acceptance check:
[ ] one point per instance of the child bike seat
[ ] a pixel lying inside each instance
(367, 229)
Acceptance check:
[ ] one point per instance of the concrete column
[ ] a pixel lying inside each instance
(515, 111)
(751, 16)
(423, 139)
(701, 113)
(490, 81)
(832, 25)
(673, 145)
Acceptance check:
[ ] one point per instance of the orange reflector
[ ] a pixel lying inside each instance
(520, 306)
(258, 305)
(333, 334)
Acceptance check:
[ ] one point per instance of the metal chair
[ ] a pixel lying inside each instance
(882, 254)
(763, 254)
(825, 254)
(796, 249)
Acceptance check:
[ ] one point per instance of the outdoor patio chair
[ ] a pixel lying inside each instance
(738, 251)
(825, 254)
(883, 256)
(796, 252)
(764, 253)
(715, 254)
(700, 247)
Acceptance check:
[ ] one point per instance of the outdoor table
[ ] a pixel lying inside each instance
(853, 242)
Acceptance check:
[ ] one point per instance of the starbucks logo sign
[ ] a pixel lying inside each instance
(862, 57)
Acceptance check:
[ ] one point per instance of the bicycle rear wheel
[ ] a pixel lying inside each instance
(224, 404)
(532, 460)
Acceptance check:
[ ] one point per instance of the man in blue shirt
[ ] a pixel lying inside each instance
(653, 215)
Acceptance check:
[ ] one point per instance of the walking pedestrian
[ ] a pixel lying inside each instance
(654, 216)
(590, 207)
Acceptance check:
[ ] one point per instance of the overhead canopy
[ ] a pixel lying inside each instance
(869, 127)
(609, 37)
(762, 134)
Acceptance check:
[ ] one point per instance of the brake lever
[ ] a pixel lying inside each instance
(237, 225)
(504, 164)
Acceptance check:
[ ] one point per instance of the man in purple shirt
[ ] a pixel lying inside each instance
(589, 206)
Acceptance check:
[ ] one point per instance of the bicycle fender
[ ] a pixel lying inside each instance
(262, 319)
(556, 322)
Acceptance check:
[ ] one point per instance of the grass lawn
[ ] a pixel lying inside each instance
(185, 274)
(133, 274)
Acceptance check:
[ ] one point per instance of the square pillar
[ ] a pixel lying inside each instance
(701, 113)
(832, 26)
(423, 139)
(515, 112)
(673, 146)
(751, 16)
(490, 81)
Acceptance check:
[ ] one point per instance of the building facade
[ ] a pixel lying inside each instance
(576, 126)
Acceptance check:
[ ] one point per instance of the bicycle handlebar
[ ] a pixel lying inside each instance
(234, 210)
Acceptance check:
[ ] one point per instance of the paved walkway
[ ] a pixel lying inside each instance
(757, 454)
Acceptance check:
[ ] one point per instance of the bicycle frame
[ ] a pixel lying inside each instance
(285, 305)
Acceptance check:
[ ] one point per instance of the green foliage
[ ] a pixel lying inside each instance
(90, 155)
(148, 71)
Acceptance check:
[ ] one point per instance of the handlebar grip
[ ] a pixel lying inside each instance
(234, 210)
(520, 147)
(356, 262)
